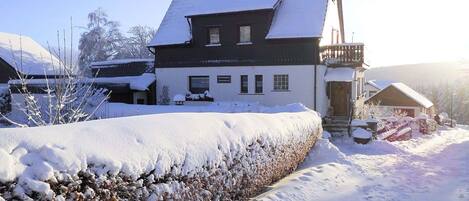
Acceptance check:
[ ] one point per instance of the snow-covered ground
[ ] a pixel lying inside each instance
(434, 167)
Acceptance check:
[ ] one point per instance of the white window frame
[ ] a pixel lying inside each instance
(245, 38)
(281, 82)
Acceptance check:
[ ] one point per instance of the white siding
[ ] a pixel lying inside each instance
(301, 84)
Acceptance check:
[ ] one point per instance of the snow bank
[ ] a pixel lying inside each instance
(361, 134)
(113, 110)
(426, 168)
(162, 156)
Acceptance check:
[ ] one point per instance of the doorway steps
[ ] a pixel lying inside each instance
(337, 126)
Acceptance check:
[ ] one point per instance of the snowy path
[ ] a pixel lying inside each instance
(427, 168)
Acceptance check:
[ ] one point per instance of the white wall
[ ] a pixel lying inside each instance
(301, 84)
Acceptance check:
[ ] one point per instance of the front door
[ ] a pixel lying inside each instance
(340, 98)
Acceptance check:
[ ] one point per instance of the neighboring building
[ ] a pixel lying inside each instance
(270, 51)
(23, 54)
(372, 87)
(399, 98)
(130, 81)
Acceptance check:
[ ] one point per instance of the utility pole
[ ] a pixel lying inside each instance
(451, 108)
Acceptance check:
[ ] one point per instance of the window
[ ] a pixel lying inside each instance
(214, 35)
(199, 84)
(259, 84)
(245, 34)
(244, 84)
(223, 79)
(280, 82)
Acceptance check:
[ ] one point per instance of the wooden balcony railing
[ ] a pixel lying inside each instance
(347, 54)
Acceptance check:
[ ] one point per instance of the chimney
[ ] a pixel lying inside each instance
(341, 20)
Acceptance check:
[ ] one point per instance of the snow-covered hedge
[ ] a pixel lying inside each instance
(182, 156)
(5, 99)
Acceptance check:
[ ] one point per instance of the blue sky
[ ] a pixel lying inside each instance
(394, 31)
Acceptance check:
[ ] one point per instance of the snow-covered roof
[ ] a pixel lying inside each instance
(292, 18)
(419, 98)
(27, 56)
(340, 75)
(299, 19)
(119, 61)
(204, 7)
(380, 84)
(139, 83)
(409, 92)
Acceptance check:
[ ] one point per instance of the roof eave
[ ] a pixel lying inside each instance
(229, 12)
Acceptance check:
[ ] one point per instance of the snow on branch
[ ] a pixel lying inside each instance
(66, 96)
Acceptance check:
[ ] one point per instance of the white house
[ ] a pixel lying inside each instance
(274, 52)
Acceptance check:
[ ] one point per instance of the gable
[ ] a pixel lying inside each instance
(292, 18)
(393, 95)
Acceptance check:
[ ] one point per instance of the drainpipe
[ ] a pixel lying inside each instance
(315, 86)
(316, 76)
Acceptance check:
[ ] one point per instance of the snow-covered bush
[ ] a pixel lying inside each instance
(164, 97)
(167, 156)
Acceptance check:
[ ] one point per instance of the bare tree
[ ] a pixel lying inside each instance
(102, 40)
(135, 45)
(67, 95)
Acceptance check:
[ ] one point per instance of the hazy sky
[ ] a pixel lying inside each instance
(394, 31)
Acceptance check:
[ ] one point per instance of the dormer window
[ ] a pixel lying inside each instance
(245, 34)
(214, 36)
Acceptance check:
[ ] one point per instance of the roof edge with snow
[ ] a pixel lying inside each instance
(288, 21)
(409, 92)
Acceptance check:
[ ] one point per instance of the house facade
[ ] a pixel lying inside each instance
(274, 52)
(401, 99)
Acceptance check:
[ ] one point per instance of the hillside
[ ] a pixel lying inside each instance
(422, 74)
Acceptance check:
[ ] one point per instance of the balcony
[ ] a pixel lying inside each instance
(343, 55)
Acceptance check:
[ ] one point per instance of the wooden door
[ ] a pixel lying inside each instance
(340, 96)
